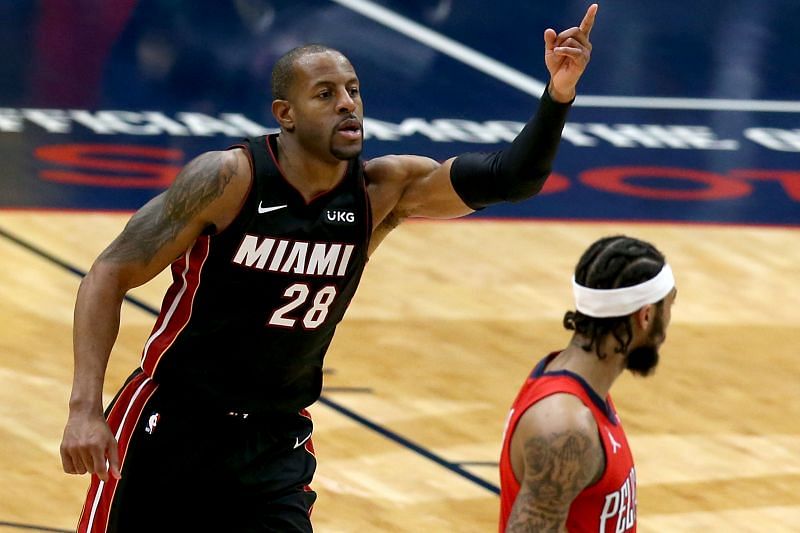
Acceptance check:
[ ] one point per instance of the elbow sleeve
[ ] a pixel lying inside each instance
(519, 171)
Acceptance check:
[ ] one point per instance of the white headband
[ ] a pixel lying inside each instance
(602, 303)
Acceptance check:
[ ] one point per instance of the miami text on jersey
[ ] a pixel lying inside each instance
(298, 257)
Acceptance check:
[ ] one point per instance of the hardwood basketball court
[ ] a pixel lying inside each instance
(450, 318)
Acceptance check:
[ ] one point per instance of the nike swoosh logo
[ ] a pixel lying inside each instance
(298, 442)
(262, 210)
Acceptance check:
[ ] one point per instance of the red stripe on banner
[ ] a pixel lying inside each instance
(176, 310)
(123, 418)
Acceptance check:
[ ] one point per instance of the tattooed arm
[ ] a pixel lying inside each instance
(205, 195)
(557, 450)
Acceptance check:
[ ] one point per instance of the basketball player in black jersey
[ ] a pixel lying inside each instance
(266, 242)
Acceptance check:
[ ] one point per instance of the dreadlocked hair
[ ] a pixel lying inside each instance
(612, 263)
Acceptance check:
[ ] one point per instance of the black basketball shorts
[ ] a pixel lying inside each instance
(186, 469)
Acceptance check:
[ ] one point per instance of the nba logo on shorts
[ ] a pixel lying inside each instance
(151, 423)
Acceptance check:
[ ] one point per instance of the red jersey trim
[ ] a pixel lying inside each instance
(309, 448)
(365, 189)
(176, 310)
(123, 419)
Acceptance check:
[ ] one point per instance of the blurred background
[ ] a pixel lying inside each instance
(688, 112)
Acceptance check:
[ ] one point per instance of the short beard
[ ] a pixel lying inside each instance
(342, 155)
(643, 360)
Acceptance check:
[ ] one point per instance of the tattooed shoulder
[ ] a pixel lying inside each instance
(558, 465)
(562, 463)
(157, 223)
(202, 181)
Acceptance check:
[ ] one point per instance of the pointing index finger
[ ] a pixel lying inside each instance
(588, 19)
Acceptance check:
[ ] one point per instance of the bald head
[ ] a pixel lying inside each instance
(284, 69)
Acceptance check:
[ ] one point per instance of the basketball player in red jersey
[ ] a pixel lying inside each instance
(267, 242)
(565, 464)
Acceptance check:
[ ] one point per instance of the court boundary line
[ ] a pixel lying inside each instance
(535, 87)
(406, 443)
(348, 413)
(63, 264)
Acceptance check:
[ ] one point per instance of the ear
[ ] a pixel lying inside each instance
(644, 316)
(284, 114)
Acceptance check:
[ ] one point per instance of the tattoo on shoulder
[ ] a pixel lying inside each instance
(558, 467)
(201, 181)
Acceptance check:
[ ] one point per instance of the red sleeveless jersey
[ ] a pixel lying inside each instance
(609, 505)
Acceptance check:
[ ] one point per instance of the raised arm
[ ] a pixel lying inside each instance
(424, 188)
(205, 196)
(557, 447)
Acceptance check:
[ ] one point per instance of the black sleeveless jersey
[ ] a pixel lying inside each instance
(251, 310)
